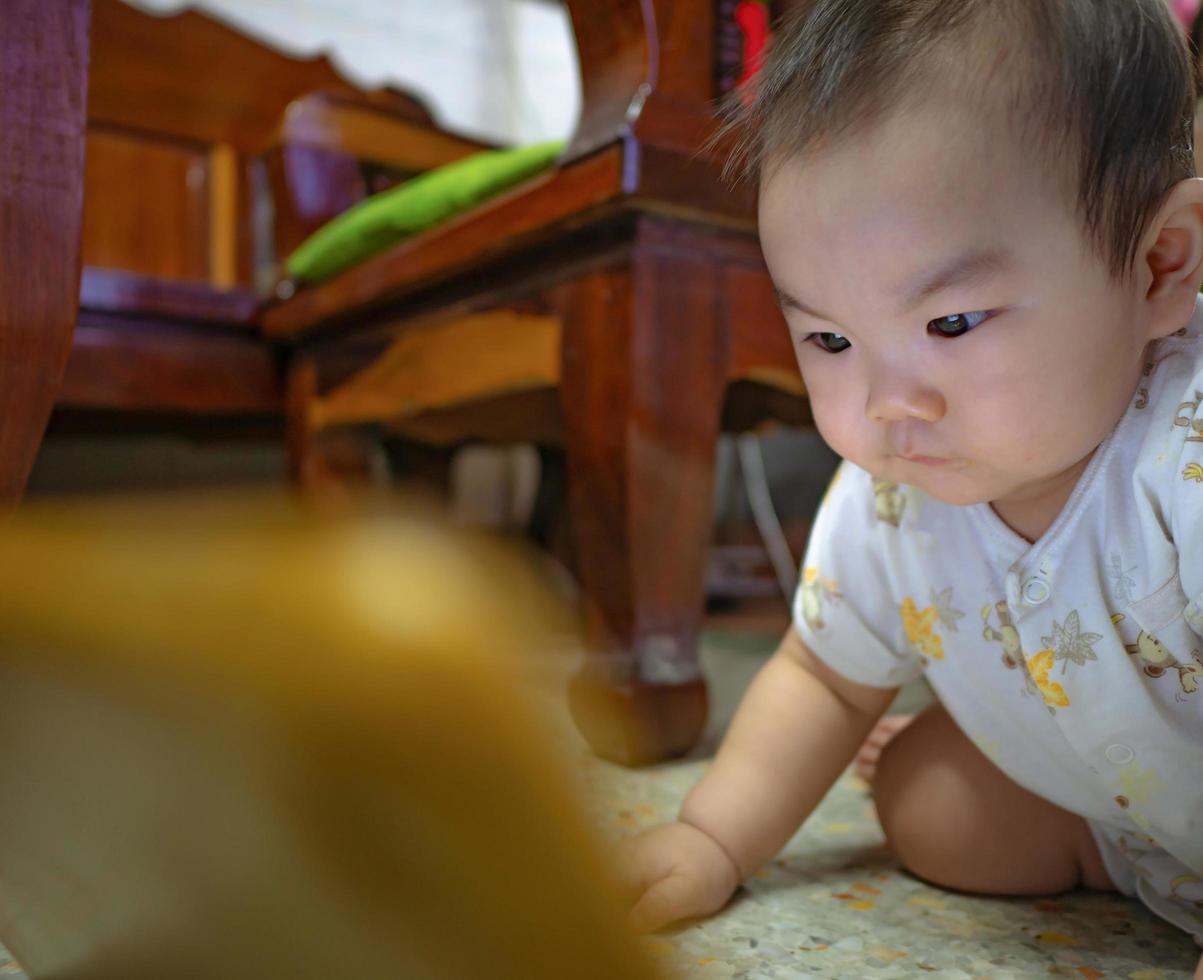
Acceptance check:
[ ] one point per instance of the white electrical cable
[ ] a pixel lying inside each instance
(751, 465)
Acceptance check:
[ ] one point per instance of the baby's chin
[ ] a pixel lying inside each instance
(955, 497)
(957, 487)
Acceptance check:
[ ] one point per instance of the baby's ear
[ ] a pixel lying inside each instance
(1171, 258)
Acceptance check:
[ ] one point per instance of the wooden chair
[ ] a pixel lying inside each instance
(612, 304)
(609, 307)
(209, 155)
(43, 79)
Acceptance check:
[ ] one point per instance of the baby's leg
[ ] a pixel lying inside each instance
(954, 819)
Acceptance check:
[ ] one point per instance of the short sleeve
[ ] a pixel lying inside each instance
(844, 609)
(1186, 502)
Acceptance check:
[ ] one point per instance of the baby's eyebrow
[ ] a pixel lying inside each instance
(975, 265)
(787, 302)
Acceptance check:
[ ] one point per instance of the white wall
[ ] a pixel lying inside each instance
(504, 70)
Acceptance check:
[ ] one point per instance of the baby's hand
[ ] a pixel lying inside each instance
(674, 872)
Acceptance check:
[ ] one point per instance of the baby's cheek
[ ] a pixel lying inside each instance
(840, 423)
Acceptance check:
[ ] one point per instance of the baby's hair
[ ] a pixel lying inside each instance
(1103, 89)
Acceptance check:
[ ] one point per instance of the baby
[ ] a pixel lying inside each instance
(983, 224)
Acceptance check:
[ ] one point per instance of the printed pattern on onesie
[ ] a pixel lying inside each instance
(1074, 663)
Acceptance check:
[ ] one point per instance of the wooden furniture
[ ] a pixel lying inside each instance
(252, 742)
(210, 155)
(613, 306)
(43, 87)
(607, 306)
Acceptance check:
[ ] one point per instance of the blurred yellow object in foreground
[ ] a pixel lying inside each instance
(240, 740)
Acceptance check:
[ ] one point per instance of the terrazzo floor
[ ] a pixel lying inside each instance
(834, 904)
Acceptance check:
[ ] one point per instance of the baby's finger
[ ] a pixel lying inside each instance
(635, 866)
(668, 900)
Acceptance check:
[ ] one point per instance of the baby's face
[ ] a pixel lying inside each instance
(954, 330)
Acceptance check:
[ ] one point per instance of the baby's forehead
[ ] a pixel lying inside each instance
(943, 155)
(909, 210)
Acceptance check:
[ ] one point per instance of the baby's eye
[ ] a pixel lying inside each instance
(956, 324)
(833, 343)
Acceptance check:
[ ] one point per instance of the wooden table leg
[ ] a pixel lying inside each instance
(643, 378)
(43, 95)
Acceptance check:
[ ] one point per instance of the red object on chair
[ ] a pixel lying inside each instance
(752, 16)
(1186, 11)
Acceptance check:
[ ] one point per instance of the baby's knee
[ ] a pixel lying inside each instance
(953, 819)
(918, 833)
(934, 811)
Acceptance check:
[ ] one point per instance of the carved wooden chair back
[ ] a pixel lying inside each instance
(193, 127)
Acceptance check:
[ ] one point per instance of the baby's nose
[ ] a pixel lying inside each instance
(897, 399)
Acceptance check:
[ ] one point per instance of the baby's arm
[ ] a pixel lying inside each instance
(797, 728)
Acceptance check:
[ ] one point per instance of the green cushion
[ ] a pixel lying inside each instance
(384, 219)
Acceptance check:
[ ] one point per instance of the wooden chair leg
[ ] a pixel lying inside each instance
(334, 466)
(643, 378)
(299, 395)
(43, 94)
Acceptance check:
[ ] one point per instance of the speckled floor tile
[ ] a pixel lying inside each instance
(836, 905)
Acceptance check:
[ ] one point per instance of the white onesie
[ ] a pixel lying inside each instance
(1075, 663)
